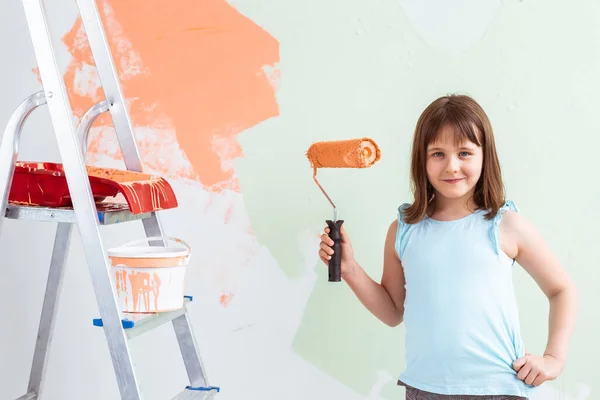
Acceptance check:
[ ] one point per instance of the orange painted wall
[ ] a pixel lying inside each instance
(197, 67)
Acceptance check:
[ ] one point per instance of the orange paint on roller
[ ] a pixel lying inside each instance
(352, 153)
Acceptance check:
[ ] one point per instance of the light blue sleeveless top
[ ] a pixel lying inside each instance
(460, 311)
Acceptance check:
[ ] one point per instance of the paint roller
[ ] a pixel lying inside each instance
(352, 153)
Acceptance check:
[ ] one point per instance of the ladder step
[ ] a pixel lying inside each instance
(136, 324)
(28, 396)
(108, 213)
(197, 393)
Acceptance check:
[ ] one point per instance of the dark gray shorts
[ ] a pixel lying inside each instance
(417, 394)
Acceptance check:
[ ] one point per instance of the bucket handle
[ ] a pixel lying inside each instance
(154, 239)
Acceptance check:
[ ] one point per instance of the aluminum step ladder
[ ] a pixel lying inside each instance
(118, 327)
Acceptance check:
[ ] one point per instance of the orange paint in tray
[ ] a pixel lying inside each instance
(45, 184)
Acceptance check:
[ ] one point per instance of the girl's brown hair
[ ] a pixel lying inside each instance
(469, 122)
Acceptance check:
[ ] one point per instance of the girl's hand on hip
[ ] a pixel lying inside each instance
(535, 370)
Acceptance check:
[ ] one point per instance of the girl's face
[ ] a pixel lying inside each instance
(453, 170)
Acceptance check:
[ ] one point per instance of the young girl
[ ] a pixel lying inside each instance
(447, 269)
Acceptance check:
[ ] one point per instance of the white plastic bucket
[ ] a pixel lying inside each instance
(149, 279)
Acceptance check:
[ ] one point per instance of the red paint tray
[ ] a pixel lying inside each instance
(45, 184)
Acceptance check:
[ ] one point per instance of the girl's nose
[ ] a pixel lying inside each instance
(453, 164)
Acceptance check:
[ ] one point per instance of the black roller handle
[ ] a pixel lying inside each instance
(335, 263)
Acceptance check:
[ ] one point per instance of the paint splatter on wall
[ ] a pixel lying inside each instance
(194, 76)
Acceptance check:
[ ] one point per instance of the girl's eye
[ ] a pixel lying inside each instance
(465, 154)
(437, 154)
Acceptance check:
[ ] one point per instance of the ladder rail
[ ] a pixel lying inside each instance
(81, 195)
(109, 79)
(86, 122)
(9, 150)
(189, 351)
(56, 272)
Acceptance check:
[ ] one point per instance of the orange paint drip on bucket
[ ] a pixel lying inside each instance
(149, 279)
